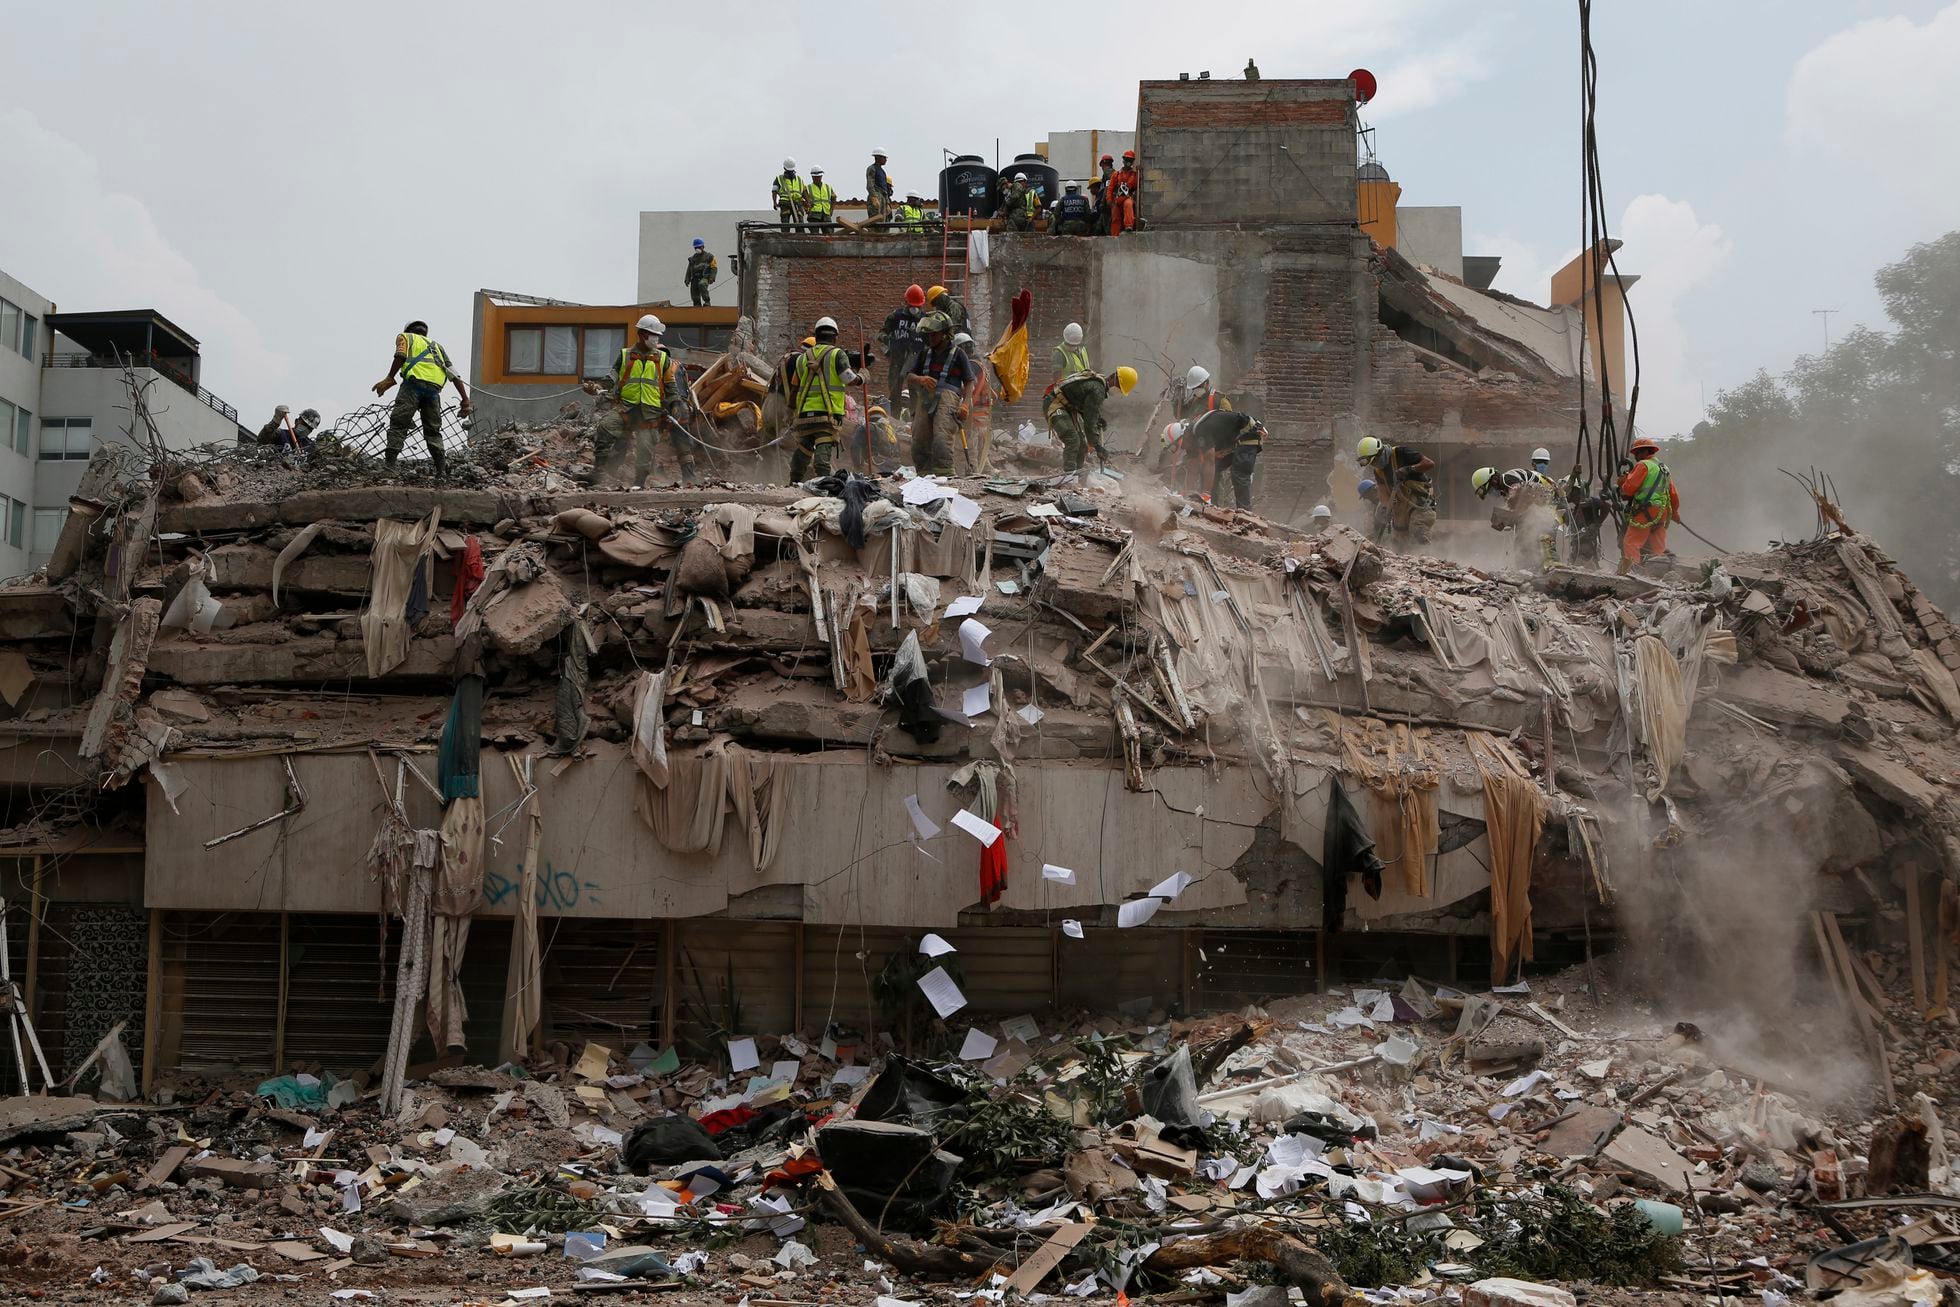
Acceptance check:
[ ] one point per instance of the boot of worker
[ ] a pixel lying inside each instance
(439, 460)
(388, 459)
(688, 477)
(799, 466)
(1625, 567)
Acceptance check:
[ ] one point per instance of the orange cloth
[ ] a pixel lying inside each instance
(1643, 540)
(1630, 486)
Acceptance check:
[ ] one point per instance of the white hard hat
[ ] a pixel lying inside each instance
(825, 322)
(649, 323)
(962, 339)
(880, 152)
(1196, 377)
(1173, 432)
(789, 165)
(815, 169)
(1072, 333)
(1321, 510)
(1541, 455)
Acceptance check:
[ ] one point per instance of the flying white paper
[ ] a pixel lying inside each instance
(1172, 887)
(933, 946)
(924, 826)
(941, 992)
(978, 699)
(973, 641)
(1073, 929)
(964, 606)
(1060, 875)
(978, 1047)
(742, 1055)
(978, 827)
(1137, 911)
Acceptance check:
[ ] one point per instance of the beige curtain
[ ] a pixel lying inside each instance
(398, 547)
(458, 893)
(1514, 814)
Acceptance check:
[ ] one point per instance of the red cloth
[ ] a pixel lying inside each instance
(727, 1119)
(993, 871)
(469, 575)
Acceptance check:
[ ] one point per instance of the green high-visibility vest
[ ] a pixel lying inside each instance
(822, 199)
(1652, 495)
(642, 376)
(427, 361)
(789, 189)
(1072, 358)
(820, 380)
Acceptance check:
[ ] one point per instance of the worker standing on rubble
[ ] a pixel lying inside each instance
(1121, 195)
(646, 397)
(938, 297)
(820, 201)
(877, 188)
(1075, 406)
(1526, 510)
(1225, 438)
(900, 337)
(788, 195)
(1071, 355)
(423, 367)
(1403, 485)
(775, 421)
(977, 431)
(701, 270)
(1652, 503)
(1073, 211)
(1181, 462)
(941, 375)
(818, 381)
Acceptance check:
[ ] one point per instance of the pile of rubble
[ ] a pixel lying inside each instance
(1409, 1141)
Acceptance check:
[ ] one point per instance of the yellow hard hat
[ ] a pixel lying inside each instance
(809, 341)
(1126, 378)
(934, 292)
(1481, 478)
(1368, 448)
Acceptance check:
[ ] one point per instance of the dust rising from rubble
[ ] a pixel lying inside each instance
(1715, 932)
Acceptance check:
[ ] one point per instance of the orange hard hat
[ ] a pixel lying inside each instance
(915, 295)
(1129, 154)
(1644, 442)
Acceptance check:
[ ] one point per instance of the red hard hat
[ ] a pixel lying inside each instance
(1129, 154)
(1107, 158)
(915, 295)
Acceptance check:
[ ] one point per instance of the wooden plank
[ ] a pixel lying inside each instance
(1916, 940)
(1824, 925)
(1879, 1000)
(165, 1166)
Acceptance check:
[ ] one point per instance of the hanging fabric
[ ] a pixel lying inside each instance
(1345, 847)
(461, 752)
(398, 547)
(1514, 815)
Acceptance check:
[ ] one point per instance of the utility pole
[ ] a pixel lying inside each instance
(1825, 314)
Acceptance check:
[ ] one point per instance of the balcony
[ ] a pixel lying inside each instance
(173, 369)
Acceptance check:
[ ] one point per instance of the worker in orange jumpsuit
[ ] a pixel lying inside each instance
(1120, 194)
(1652, 502)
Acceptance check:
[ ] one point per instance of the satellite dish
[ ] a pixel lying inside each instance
(1364, 85)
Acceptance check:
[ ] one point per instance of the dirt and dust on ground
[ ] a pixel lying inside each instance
(1566, 1137)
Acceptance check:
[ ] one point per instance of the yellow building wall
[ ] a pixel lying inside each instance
(1375, 204)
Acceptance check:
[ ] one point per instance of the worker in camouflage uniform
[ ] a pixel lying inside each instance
(647, 397)
(701, 270)
(1074, 406)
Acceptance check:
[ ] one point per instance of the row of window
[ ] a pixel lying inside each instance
(557, 351)
(15, 520)
(62, 439)
(18, 328)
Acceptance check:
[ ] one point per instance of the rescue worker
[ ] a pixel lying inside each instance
(820, 201)
(1101, 189)
(701, 271)
(1071, 355)
(1652, 502)
(977, 432)
(912, 214)
(818, 381)
(941, 376)
(938, 297)
(1021, 204)
(423, 367)
(1526, 510)
(1182, 464)
(877, 189)
(1230, 439)
(1074, 407)
(1403, 483)
(646, 397)
(1121, 195)
(1377, 510)
(885, 454)
(900, 338)
(1073, 212)
(285, 432)
(775, 421)
(1321, 518)
(787, 193)
(1541, 462)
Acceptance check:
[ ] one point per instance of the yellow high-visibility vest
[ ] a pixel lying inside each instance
(427, 361)
(820, 380)
(642, 376)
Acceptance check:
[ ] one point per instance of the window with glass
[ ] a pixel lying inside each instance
(562, 351)
(524, 349)
(16, 523)
(66, 438)
(47, 528)
(28, 325)
(10, 316)
(9, 415)
(23, 433)
(602, 346)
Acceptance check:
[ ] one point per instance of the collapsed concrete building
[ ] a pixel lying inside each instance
(731, 751)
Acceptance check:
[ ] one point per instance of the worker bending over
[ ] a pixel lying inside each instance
(788, 194)
(646, 397)
(1229, 440)
(818, 380)
(1181, 463)
(1403, 485)
(1527, 509)
(293, 434)
(1075, 405)
(701, 270)
(940, 377)
(1652, 502)
(423, 366)
(911, 215)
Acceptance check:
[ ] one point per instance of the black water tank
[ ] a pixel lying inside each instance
(966, 186)
(1043, 177)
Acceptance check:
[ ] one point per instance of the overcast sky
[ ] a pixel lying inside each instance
(290, 185)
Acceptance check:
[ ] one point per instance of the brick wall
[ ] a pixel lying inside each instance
(796, 281)
(1238, 152)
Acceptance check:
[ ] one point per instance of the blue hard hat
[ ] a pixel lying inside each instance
(700, 244)
(1367, 486)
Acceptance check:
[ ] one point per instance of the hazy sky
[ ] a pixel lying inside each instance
(290, 184)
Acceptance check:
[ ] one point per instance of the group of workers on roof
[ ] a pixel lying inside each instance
(1110, 207)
